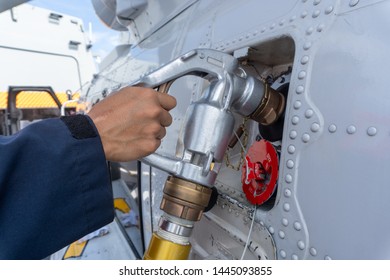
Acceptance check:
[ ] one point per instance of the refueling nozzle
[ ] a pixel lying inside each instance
(204, 138)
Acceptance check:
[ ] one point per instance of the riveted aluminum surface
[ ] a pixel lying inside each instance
(336, 118)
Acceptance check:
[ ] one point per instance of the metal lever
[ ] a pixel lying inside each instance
(199, 62)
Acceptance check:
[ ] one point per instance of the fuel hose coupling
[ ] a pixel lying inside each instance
(183, 203)
(271, 107)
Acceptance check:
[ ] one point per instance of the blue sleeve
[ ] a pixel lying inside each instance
(54, 187)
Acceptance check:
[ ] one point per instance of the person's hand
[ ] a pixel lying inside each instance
(132, 121)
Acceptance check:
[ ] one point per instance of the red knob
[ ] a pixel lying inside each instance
(260, 172)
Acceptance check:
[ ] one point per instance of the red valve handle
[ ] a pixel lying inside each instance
(260, 172)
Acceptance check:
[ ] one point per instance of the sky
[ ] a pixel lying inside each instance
(103, 38)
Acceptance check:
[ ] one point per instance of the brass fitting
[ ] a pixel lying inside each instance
(185, 199)
(183, 203)
(271, 107)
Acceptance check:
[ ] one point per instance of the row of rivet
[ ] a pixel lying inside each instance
(315, 127)
(282, 22)
(352, 129)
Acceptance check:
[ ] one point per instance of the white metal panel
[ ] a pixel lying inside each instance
(38, 69)
(59, 41)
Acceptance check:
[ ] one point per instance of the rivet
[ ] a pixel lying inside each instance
(293, 134)
(294, 257)
(304, 1)
(351, 129)
(282, 22)
(295, 120)
(315, 127)
(282, 235)
(286, 207)
(327, 258)
(329, 10)
(255, 32)
(289, 178)
(283, 254)
(290, 164)
(297, 104)
(320, 27)
(316, 13)
(293, 18)
(291, 149)
(313, 251)
(285, 222)
(287, 192)
(263, 30)
(332, 128)
(309, 30)
(305, 137)
(309, 113)
(272, 26)
(300, 89)
(307, 46)
(304, 60)
(316, 2)
(271, 230)
(302, 75)
(301, 244)
(372, 131)
(297, 226)
(304, 14)
(353, 3)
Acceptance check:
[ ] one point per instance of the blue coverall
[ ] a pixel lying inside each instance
(54, 187)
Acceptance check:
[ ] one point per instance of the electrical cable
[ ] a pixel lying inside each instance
(254, 210)
(249, 233)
